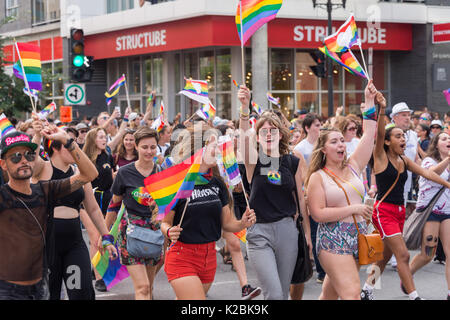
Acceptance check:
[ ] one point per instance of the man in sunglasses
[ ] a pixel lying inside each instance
(26, 212)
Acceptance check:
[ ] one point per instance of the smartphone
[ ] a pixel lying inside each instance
(118, 109)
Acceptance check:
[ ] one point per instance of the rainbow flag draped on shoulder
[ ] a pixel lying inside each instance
(174, 183)
(111, 271)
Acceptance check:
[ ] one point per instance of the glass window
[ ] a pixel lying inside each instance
(308, 101)
(223, 106)
(353, 102)
(178, 80)
(112, 6)
(190, 65)
(306, 80)
(248, 68)
(45, 11)
(223, 67)
(135, 79)
(287, 103)
(207, 68)
(58, 78)
(282, 73)
(337, 78)
(157, 75)
(337, 101)
(380, 67)
(38, 11)
(53, 10)
(12, 8)
(148, 75)
(47, 86)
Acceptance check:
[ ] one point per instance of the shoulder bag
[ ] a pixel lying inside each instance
(412, 231)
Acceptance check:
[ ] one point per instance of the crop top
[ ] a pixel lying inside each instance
(72, 200)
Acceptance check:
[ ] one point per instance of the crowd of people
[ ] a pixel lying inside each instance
(57, 179)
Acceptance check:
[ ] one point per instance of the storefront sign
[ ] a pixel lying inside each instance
(441, 33)
(141, 40)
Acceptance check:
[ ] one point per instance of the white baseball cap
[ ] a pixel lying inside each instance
(133, 116)
(400, 107)
(436, 122)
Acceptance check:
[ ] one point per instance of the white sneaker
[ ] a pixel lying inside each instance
(393, 262)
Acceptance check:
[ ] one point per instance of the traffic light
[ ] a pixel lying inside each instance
(81, 66)
(319, 69)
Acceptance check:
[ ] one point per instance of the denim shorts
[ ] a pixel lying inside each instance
(438, 217)
(11, 291)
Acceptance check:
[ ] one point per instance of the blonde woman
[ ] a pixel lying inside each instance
(337, 244)
(273, 174)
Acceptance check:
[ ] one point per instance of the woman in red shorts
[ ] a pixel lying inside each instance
(190, 263)
(389, 216)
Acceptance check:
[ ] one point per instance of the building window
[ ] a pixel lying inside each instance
(12, 8)
(118, 5)
(45, 11)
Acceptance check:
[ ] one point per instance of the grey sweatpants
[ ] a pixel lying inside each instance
(272, 250)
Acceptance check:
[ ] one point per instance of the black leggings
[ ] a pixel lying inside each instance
(72, 263)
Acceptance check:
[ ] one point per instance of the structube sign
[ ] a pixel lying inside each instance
(141, 40)
(441, 33)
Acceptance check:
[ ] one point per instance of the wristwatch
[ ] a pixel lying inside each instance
(69, 143)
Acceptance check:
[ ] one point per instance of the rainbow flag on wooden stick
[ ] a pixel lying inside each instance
(207, 111)
(28, 67)
(174, 183)
(242, 235)
(229, 160)
(345, 37)
(5, 125)
(255, 13)
(47, 110)
(196, 90)
(111, 271)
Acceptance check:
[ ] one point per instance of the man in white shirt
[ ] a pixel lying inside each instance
(311, 126)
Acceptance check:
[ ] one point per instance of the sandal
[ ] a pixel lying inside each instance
(226, 256)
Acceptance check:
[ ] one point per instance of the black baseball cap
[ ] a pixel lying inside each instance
(16, 139)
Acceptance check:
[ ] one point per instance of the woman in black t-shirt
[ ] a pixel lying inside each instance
(190, 263)
(274, 175)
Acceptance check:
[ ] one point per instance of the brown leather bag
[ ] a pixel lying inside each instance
(370, 246)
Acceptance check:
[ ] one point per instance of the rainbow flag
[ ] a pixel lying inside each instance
(158, 124)
(111, 271)
(334, 56)
(252, 122)
(242, 235)
(196, 90)
(256, 107)
(5, 125)
(115, 88)
(47, 110)
(229, 160)
(162, 109)
(236, 84)
(344, 38)
(272, 99)
(176, 182)
(352, 63)
(32, 93)
(207, 111)
(447, 95)
(30, 57)
(255, 13)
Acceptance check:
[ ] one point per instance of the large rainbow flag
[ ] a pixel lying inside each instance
(196, 90)
(112, 271)
(344, 38)
(5, 125)
(174, 183)
(346, 60)
(255, 13)
(30, 63)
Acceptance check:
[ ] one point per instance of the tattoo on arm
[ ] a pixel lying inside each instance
(76, 184)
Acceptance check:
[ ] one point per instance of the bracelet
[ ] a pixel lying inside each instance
(168, 236)
(370, 114)
(244, 115)
(107, 240)
(374, 185)
(366, 182)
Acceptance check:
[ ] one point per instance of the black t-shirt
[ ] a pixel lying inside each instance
(105, 165)
(129, 183)
(202, 220)
(272, 189)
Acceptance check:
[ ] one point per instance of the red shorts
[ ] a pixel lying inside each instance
(389, 219)
(183, 260)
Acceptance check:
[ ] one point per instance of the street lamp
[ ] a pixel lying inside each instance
(329, 6)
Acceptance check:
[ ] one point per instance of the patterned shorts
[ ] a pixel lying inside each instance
(125, 258)
(339, 237)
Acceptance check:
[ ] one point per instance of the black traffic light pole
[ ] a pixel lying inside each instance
(329, 7)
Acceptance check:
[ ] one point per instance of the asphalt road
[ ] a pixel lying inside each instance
(430, 283)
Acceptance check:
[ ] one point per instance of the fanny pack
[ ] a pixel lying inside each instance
(143, 242)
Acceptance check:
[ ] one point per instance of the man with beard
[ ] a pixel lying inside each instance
(26, 212)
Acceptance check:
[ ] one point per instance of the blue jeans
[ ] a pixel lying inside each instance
(11, 291)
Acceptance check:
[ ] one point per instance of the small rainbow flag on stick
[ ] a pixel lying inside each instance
(196, 90)
(351, 63)
(114, 89)
(29, 63)
(242, 235)
(229, 160)
(345, 37)
(256, 107)
(272, 99)
(5, 125)
(253, 14)
(207, 111)
(111, 271)
(174, 183)
(158, 124)
(47, 110)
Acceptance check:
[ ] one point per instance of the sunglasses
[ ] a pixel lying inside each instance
(422, 118)
(83, 131)
(17, 157)
(435, 127)
(264, 132)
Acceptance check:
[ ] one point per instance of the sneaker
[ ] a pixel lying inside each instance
(366, 295)
(249, 293)
(100, 285)
(320, 279)
(393, 262)
(419, 298)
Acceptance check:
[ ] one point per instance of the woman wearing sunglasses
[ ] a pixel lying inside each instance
(273, 174)
(26, 212)
(70, 249)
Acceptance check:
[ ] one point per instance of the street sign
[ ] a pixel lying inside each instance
(74, 93)
(441, 32)
(65, 114)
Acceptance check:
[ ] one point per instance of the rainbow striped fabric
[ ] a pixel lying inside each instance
(30, 60)
(162, 109)
(5, 125)
(47, 110)
(255, 13)
(272, 99)
(344, 38)
(158, 124)
(242, 235)
(207, 111)
(174, 183)
(229, 160)
(196, 90)
(114, 89)
(111, 271)
(256, 107)
(346, 60)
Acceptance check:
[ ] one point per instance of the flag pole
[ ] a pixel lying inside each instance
(242, 44)
(184, 211)
(364, 62)
(25, 77)
(245, 194)
(126, 91)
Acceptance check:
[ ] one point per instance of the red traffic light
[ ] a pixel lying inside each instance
(77, 34)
